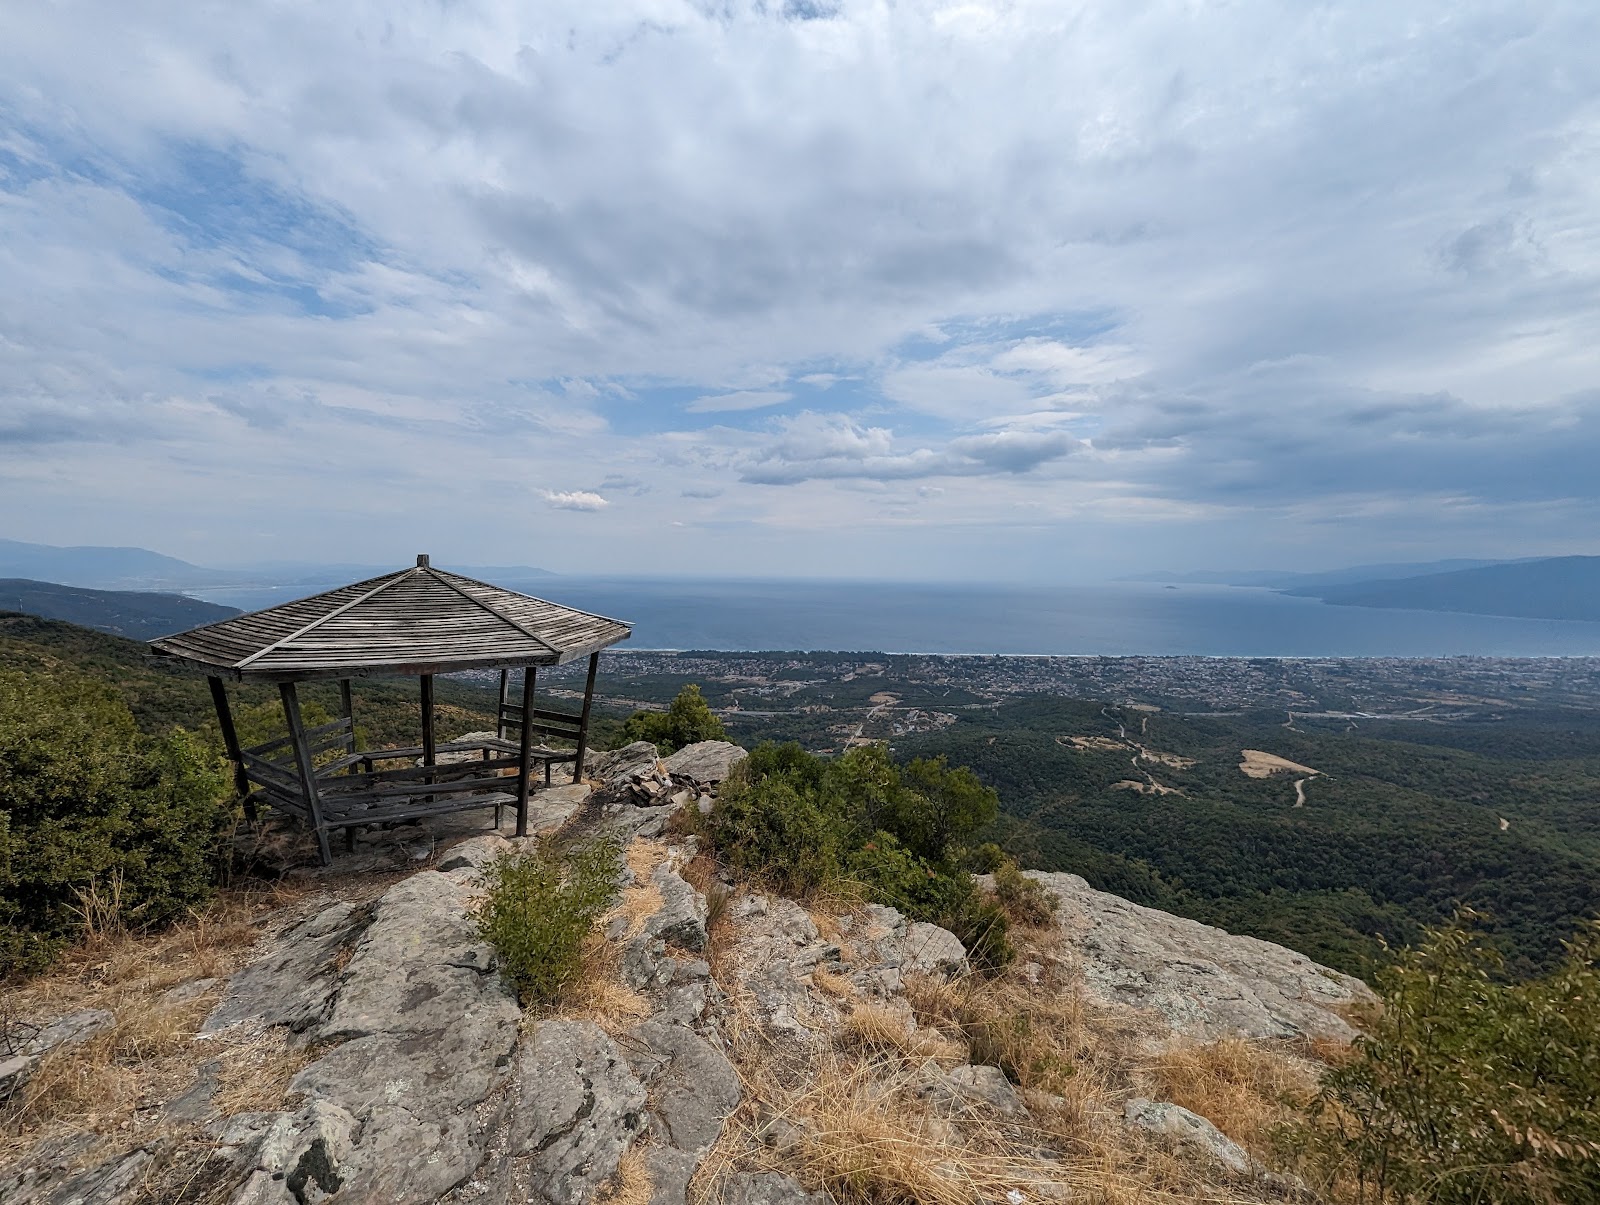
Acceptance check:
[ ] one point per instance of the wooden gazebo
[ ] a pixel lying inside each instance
(420, 622)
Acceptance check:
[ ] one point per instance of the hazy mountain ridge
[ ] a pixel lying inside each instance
(1565, 587)
(96, 567)
(136, 614)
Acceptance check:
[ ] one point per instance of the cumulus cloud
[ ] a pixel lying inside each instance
(744, 399)
(1259, 261)
(574, 500)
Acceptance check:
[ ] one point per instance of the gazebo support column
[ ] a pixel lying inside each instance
(505, 697)
(347, 710)
(230, 742)
(583, 721)
(525, 766)
(307, 768)
(430, 745)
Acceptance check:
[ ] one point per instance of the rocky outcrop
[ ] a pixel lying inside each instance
(17, 1068)
(1187, 1129)
(426, 1082)
(636, 775)
(1204, 982)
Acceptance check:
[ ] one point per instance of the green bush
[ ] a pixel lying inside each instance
(1468, 1088)
(538, 906)
(91, 810)
(1021, 898)
(860, 821)
(686, 720)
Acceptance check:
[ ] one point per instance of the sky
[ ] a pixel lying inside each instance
(824, 288)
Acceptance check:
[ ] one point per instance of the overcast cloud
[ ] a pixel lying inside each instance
(923, 289)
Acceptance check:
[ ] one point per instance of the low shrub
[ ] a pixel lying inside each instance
(686, 720)
(1468, 1088)
(538, 906)
(806, 825)
(1022, 899)
(99, 824)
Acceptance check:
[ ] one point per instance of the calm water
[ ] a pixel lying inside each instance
(1119, 619)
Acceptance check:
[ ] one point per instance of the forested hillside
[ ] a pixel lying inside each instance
(1400, 823)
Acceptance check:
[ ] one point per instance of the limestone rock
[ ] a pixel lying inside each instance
(425, 1029)
(670, 1170)
(576, 1108)
(290, 1158)
(1205, 982)
(693, 1087)
(69, 1030)
(778, 947)
(1179, 1124)
(705, 763)
(119, 1180)
(986, 1086)
(886, 941)
(767, 1188)
(619, 765)
(292, 984)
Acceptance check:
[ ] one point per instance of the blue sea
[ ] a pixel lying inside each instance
(1104, 620)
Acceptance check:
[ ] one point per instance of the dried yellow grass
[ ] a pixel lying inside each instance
(1244, 1088)
(879, 1029)
(631, 1183)
(598, 993)
(150, 1053)
(832, 984)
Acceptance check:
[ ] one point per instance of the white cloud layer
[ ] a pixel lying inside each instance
(848, 286)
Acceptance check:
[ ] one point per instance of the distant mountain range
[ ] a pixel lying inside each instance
(1565, 587)
(136, 614)
(107, 568)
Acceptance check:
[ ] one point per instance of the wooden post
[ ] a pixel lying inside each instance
(307, 768)
(230, 742)
(505, 697)
(524, 781)
(348, 711)
(583, 722)
(429, 744)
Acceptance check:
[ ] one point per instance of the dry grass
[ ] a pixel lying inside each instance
(110, 1083)
(832, 984)
(879, 1029)
(597, 993)
(632, 1183)
(1245, 1088)
(256, 1070)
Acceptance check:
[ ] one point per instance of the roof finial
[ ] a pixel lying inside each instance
(422, 560)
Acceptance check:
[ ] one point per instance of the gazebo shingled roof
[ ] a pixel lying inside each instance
(420, 620)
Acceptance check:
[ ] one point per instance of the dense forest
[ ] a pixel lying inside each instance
(1401, 823)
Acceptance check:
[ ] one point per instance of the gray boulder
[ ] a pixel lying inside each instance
(884, 940)
(574, 1108)
(1180, 1125)
(693, 1087)
(1204, 982)
(293, 982)
(18, 1068)
(705, 763)
(767, 1188)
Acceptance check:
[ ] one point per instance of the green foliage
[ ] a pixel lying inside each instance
(538, 906)
(90, 806)
(805, 824)
(1022, 899)
(1399, 829)
(986, 859)
(1469, 1089)
(686, 720)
